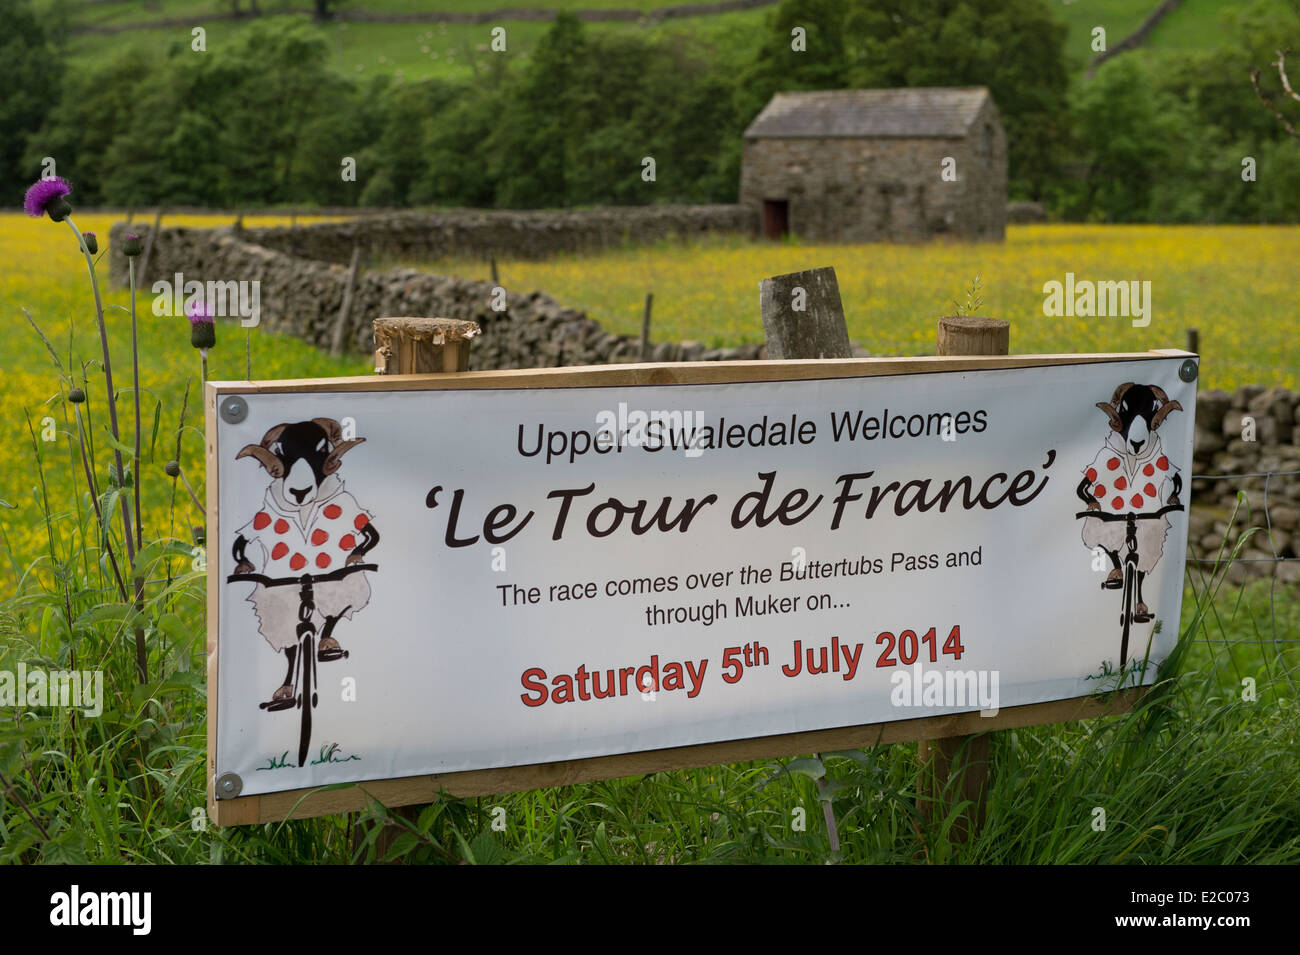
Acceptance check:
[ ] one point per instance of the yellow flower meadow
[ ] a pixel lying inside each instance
(1230, 282)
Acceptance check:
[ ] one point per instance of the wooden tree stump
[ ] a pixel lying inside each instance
(956, 768)
(803, 316)
(974, 335)
(422, 346)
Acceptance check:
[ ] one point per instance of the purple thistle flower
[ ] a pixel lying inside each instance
(198, 312)
(48, 196)
(203, 330)
(132, 246)
(92, 243)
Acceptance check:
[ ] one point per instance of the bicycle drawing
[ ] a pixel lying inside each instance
(304, 552)
(1129, 489)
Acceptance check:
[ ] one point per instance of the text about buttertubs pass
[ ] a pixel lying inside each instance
(717, 598)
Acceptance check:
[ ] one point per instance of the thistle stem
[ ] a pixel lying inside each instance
(138, 580)
(94, 499)
(193, 497)
(135, 369)
(141, 658)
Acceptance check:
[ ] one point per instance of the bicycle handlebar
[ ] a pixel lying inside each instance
(266, 581)
(1124, 517)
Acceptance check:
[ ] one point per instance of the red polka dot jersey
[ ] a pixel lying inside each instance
(1122, 482)
(290, 547)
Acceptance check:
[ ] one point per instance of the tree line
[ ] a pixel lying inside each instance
(266, 120)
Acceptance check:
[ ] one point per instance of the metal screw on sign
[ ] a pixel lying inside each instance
(1187, 370)
(229, 785)
(234, 409)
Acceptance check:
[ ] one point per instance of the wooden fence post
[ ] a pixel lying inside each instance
(142, 276)
(803, 316)
(404, 346)
(645, 327)
(956, 768)
(340, 323)
(422, 346)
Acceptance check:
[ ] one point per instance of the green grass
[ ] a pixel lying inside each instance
(1196, 776)
(1196, 25)
(418, 50)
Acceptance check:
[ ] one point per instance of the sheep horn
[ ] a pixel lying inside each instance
(332, 463)
(1165, 409)
(332, 429)
(1119, 393)
(273, 435)
(1115, 423)
(274, 466)
(1159, 393)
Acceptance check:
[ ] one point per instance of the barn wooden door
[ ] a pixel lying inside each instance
(776, 218)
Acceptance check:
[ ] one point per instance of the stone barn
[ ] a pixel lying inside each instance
(868, 165)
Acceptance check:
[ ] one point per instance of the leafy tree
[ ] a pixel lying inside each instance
(79, 133)
(529, 153)
(1142, 147)
(1014, 47)
(31, 77)
(262, 120)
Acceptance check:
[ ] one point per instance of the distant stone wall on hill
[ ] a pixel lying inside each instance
(475, 233)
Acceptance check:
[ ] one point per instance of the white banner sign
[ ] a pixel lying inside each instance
(424, 581)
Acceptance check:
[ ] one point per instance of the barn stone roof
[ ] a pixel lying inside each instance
(921, 112)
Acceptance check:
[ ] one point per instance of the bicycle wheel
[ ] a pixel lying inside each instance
(307, 655)
(1126, 621)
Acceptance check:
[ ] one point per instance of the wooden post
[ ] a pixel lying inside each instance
(955, 769)
(148, 249)
(1194, 340)
(340, 323)
(421, 346)
(803, 316)
(405, 346)
(645, 327)
(495, 279)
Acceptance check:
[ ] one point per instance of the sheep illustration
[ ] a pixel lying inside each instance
(307, 524)
(1131, 474)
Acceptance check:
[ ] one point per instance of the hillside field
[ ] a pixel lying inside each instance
(458, 50)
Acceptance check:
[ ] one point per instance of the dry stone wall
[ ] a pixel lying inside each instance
(477, 233)
(302, 297)
(1271, 418)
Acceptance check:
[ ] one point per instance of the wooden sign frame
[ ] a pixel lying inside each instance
(308, 802)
